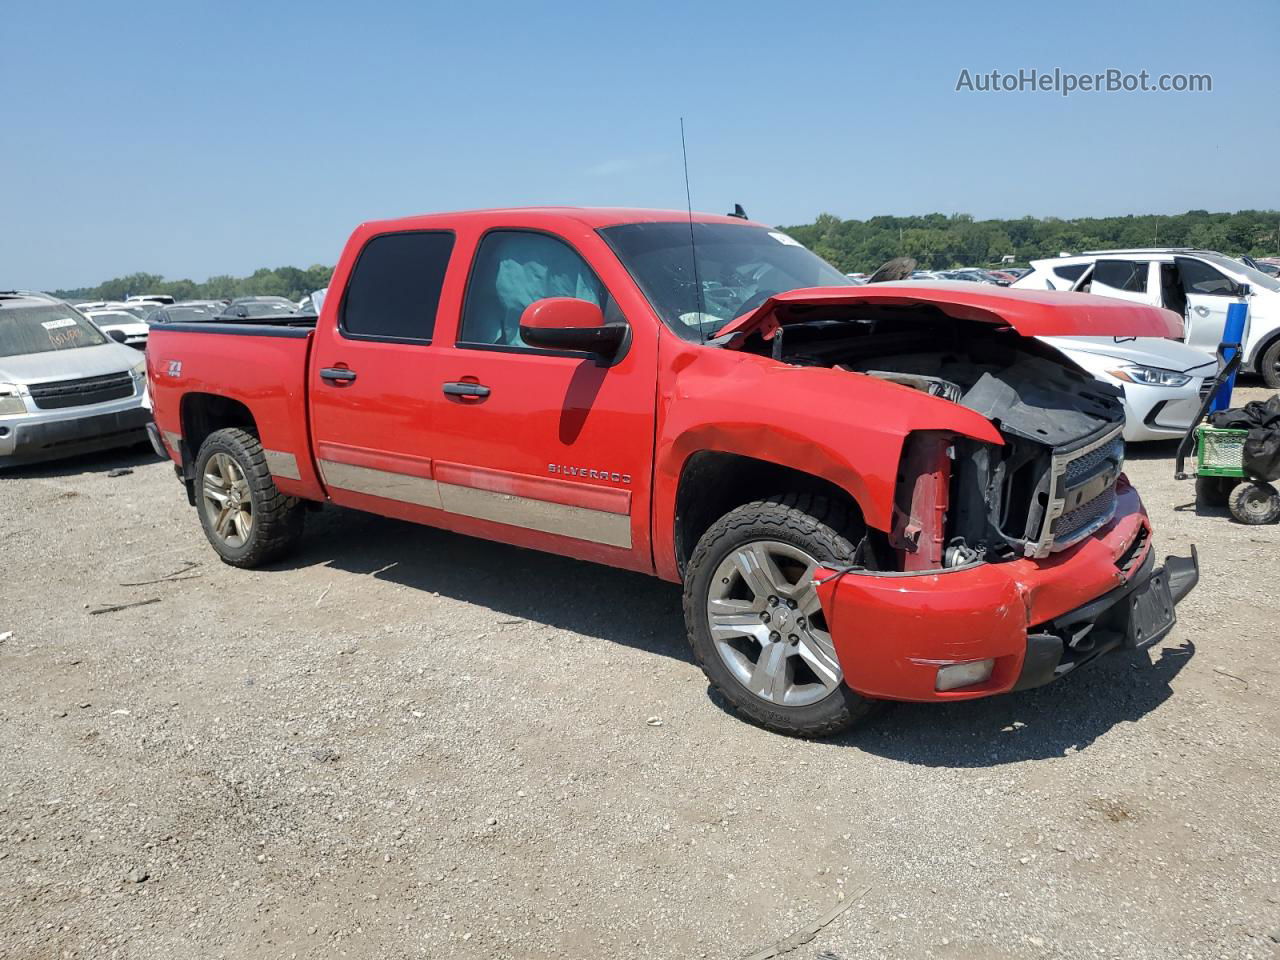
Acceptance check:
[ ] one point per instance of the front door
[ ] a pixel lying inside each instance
(544, 448)
(1209, 293)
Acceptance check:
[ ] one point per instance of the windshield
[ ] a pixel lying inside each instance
(41, 329)
(739, 267)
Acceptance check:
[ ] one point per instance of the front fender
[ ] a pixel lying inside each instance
(845, 428)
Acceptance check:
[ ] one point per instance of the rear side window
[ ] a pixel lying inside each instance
(1121, 275)
(394, 289)
(1071, 271)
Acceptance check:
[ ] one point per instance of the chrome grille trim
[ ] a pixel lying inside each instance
(1088, 457)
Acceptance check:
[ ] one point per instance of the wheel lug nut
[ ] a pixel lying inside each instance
(800, 621)
(775, 636)
(773, 601)
(793, 639)
(764, 617)
(791, 604)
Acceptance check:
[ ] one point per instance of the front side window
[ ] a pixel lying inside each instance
(394, 289)
(43, 329)
(513, 268)
(1130, 275)
(1198, 277)
(738, 268)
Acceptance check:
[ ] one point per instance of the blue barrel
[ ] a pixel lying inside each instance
(1232, 336)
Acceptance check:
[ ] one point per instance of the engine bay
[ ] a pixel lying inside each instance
(1043, 490)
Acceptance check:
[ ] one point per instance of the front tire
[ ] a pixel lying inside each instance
(1269, 365)
(754, 621)
(246, 519)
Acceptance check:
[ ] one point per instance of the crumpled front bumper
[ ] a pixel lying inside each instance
(893, 631)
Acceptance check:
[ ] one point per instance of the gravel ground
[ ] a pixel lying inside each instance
(405, 743)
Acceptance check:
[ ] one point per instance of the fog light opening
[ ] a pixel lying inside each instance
(957, 675)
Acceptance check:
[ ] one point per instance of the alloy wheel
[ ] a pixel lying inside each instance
(768, 626)
(227, 500)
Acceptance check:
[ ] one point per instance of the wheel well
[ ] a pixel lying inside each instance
(203, 413)
(1256, 360)
(712, 484)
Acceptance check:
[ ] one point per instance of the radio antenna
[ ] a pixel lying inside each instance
(693, 247)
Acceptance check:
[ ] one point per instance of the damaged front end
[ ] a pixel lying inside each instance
(1005, 564)
(1047, 487)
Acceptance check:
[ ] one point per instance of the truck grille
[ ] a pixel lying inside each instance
(1084, 494)
(1083, 520)
(82, 393)
(1086, 465)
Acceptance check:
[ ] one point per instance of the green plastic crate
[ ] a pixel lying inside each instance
(1219, 452)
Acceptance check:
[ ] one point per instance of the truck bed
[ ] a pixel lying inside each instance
(260, 364)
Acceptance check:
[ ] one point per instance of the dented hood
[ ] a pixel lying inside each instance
(1033, 313)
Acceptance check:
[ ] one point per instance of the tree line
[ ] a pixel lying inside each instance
(291, 282)
(936, 241)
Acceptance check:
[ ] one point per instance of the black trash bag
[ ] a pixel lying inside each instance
(1255, 413)
(1261, 418)
(1262, 453)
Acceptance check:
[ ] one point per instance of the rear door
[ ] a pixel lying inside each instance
(1209, 292)
(370, 384)
(1125, 279)
(544, 448)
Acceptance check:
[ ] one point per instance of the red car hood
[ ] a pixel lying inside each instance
(1033, 313)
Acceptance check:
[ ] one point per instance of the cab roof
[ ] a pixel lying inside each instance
(593, 217)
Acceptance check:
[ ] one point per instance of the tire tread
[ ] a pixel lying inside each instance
(806, 515)
(277, 518)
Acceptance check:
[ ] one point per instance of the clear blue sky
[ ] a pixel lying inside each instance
(192, 139)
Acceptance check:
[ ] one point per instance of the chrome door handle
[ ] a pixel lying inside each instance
(339, 375)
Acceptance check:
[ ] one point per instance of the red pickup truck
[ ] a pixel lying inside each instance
(889, 491)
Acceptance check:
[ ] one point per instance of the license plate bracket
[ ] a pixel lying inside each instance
(1151, 612)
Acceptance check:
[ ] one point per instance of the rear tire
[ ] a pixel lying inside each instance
(1213, 491)
(769, 654)
(1269, 365)
(247, 520)
(1255, 503)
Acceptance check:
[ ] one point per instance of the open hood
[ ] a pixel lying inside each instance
(1033, 313)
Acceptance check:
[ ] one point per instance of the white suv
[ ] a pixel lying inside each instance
(1197, 284)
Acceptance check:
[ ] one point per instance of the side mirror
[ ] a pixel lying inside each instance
(563, 323)
(117, 335)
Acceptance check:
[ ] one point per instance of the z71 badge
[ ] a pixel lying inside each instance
(175, 368)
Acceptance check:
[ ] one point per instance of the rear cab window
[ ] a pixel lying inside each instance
(394, 290)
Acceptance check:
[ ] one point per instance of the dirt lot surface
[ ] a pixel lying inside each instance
(405, 743)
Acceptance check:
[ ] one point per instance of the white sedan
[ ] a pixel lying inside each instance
(119, 322)
(1164, 381)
